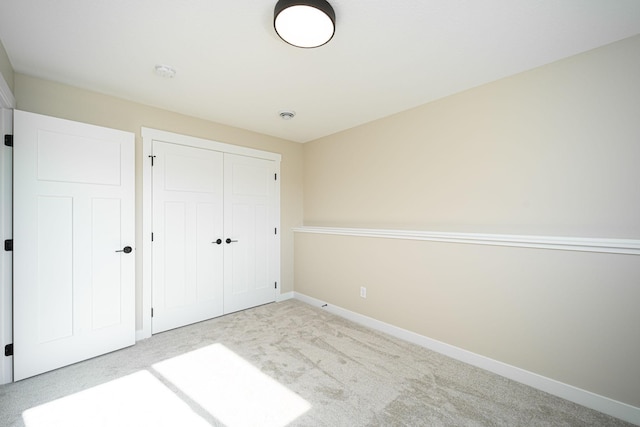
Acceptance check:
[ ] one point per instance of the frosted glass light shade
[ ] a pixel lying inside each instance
(305, 24)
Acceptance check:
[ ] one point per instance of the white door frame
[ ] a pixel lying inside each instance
(7, 104)
(148, 136)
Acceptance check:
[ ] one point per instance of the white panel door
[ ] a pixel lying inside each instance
(250, 239)
(74, 284)
(187, 235)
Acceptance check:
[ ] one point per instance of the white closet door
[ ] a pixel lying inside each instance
(187, 223)
(249, 269)
(74, 292)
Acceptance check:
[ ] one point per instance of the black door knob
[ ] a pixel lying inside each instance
(230, 241)
(218, 242)
(126, 249)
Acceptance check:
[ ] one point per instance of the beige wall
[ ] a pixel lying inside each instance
(553, 151)
(45, 97)
(5, 67)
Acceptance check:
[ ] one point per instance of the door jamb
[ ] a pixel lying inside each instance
(7, 104)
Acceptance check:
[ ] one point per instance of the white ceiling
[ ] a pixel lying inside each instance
(386, 56)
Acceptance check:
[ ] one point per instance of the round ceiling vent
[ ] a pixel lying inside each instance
(287, 115)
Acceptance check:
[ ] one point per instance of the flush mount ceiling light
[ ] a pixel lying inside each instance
(309, 23)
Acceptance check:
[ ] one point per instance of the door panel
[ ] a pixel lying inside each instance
(174, 263)
(101, 161)
(207, 268)
(54, 268)
(187, 220)
(74, 295)
(105, 220)
(249, 218)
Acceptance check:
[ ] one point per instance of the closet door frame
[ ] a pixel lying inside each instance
(148, 136)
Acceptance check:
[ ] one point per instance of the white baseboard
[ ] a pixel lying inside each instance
(285, 296)
(582, 397)
(142, 334)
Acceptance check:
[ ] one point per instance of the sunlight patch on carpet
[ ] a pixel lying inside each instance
(231, 389)
(138, 399)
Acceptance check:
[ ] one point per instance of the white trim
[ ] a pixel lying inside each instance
(7, 104)
(285, 296)
(191, 141)
(147, 215)
(141, 334)
(7, 100)
(582, 397)
(6, 258)
(581, 244)
(148, 136)
(277, 245)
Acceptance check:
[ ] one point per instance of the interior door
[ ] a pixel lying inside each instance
(187, 235)
(250, 235)
(74, 273)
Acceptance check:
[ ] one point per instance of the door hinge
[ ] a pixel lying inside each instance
(152, 159)
(8, 140)
(275, 285)
(275, 176)
(152, 312)
(8, 350)
(8, 245)
(152, 237)
(275, 230)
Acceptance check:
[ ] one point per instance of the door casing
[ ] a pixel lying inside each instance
(6, 257)
(7, 103)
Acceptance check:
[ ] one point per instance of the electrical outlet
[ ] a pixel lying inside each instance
(363, 292)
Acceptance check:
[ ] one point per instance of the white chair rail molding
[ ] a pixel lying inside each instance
(581, 244)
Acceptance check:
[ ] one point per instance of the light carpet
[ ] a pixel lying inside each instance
(281, 364)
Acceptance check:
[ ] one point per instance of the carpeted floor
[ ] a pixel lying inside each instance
(281, 364)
